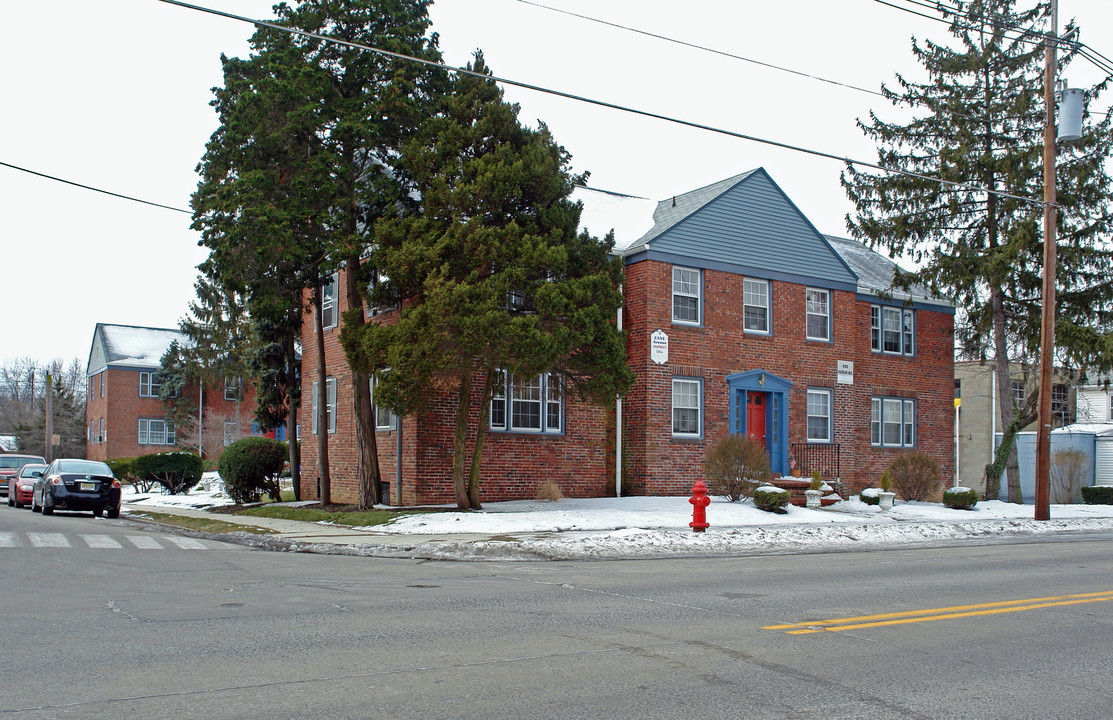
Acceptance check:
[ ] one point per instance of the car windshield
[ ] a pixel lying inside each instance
(85, 467)
(32, 470)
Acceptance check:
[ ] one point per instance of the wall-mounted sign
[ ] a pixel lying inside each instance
(659, 347)
(845, 372)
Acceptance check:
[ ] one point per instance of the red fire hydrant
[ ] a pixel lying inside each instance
(699, 502)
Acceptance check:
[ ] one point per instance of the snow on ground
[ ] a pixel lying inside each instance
(643, 527)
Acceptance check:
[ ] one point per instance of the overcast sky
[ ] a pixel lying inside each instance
(115, 95)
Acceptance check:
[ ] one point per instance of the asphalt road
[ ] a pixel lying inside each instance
(107, 624)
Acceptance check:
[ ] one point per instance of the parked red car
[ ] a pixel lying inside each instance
(22, 487)
(10, 465)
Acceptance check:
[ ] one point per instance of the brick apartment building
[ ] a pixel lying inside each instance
(124, 416)
(740, 318)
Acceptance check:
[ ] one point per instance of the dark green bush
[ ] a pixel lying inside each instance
(250, 466)
(178, 470)
(1098, 495)
(735, 465)
(915, 475)
(123, 469)
(960, 498)
(771, 499)
(869, 499)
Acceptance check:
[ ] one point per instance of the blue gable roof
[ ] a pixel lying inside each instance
(747, 225)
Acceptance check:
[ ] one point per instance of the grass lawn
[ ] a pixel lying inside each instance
(339, 516)
(209, 525)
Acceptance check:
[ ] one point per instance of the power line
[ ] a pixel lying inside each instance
(604, 103)
(684, 43)
(94, 189)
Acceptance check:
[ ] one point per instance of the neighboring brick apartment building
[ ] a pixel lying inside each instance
(123, 413)
(740, 317)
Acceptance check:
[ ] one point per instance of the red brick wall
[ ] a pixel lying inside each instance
(580, 461)
(122, 407)
(661, 464)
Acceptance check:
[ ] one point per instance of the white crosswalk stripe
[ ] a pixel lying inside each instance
(144, 542)
(187, 543)
(52, 540)
(100, 541)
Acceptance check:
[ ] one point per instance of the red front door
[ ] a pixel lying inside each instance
(755, 416)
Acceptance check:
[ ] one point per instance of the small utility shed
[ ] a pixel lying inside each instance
(1094, 440)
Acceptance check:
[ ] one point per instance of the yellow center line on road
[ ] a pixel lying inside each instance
(946, 613)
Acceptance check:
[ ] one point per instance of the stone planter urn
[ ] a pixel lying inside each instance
(811, 498)
(886, 499)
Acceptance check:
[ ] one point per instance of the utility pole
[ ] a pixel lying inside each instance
(48, 391)
(1047, 328)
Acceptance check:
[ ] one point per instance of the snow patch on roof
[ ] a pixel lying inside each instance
(137, 346)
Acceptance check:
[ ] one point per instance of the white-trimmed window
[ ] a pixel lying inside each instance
(687, 407)
(817, 311)
(1017, 388)
(330, 404)
(92, 432)
(755, 305)
(103, 381)
(892, 422)
(1060, 402)
(686, 296)
(329, 291)
(1110, 407)
(101, 437)
(231, 432)
(156, 432)
(892, 330)
(148, 384)
(520, 404)
(819, 415)
(231, 388)
(384, 416)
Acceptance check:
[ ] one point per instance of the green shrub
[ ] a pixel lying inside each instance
(123, 469)
(869, 496)
(771, 499)
(1098, 495)
(915, 475)
(960, 498)
(250, 466)
(886, 482)
(178, 470)
(735, 465)
(817, 481)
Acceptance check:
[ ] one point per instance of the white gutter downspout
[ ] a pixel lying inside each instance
(618, 429)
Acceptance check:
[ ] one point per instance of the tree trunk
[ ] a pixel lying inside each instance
(370, 480)
(1004, 392)
(292, 417)
(323, 480)
(480, 435)
(460, 442)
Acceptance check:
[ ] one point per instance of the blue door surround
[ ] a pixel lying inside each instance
(775, 389)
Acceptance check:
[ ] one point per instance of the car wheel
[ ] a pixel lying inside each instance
(11, 500)
(113, 512)
(16, 503)
(98, 513)
(47, 510)
(34, 504)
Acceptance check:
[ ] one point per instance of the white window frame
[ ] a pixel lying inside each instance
(814, 308)
(156, 431)
(330, 404)
(887, 320)
(814, 409)
(1110, 404)
(684, 391)
(1016, 387)
(102, 438)
(231, 385)
(385, 419)
(882, 410)
(512, 399)
(1060, 406)
(231, 432)
(148, 384)
(687, 283)
(103, 381)
(330, 306)
(751, 298)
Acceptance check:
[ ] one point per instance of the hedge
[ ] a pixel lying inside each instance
(771, 499)
(960, 498)
(178, 470)
(1098, 495)
(250, 466)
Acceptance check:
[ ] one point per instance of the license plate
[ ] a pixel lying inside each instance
(87, 486)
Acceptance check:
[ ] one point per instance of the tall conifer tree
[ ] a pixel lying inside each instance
(979, 121)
